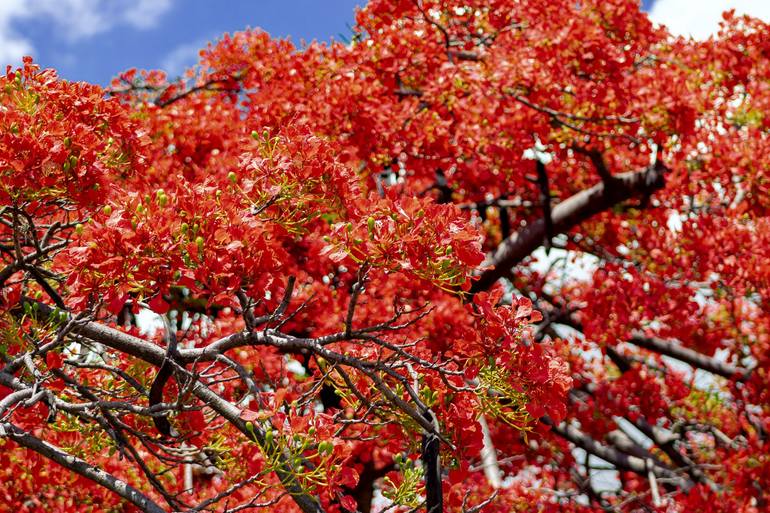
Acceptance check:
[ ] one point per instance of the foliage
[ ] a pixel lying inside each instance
(314, 261)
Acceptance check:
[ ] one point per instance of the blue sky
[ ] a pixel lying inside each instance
(93, 40)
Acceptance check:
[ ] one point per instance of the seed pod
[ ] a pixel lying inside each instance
(325, 447)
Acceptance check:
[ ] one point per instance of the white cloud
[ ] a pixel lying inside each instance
(145, 14)
(700, 19)
(77, 19)
(12, 46)
(12, 49)
(72, 20)
(183, 56)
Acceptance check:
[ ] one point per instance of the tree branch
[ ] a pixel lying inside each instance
(489, 456)
(156, 355)
(306, 502)
(431, 460)
(565, 216)
(618, 459)
(665, 440)
(81, 467)
(690, 357)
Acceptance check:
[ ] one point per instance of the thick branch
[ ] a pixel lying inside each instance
(113, 338)
(670, 348)
(660, 437)
(7, 272)
(665, 441)
(565, 216)
(618, 459)
(431, 460)
(489, 456)
(690, 357)
(81, 467)
(622, 442)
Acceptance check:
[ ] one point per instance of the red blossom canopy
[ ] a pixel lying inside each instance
(486, 256)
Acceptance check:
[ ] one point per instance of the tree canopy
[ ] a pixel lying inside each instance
(486, 256)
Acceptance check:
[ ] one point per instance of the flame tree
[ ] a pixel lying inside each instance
(486, 256)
